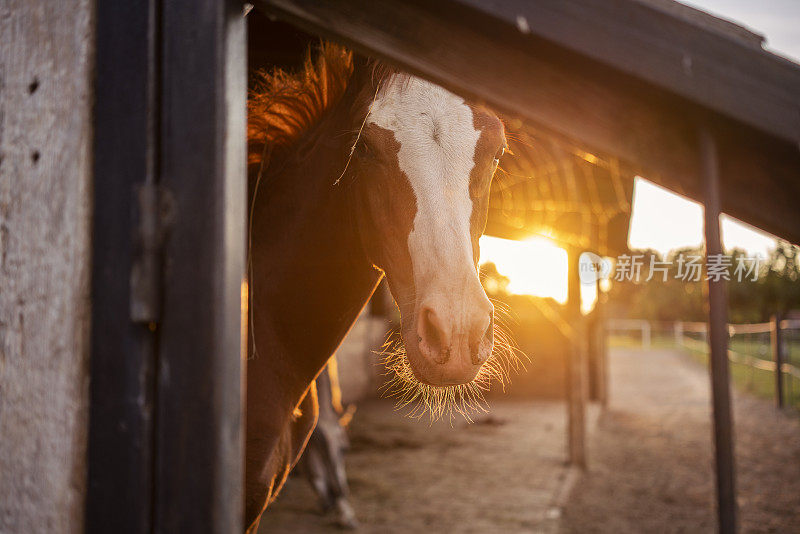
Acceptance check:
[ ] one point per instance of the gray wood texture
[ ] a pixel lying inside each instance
(46, 62)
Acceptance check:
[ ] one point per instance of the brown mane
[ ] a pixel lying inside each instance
(283, 106)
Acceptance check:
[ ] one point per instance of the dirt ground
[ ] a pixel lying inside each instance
(651, 455)
(499, 474)
(650, 464)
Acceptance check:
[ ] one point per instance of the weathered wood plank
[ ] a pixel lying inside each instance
(711, 22)
(600, 108)
(46, 69)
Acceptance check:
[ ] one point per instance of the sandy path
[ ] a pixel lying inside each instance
(651, 455)
(650, 462)
(501, 474)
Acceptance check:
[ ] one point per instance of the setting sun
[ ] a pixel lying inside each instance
(536, 266)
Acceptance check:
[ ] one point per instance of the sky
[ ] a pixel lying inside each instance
(660, 219)
(778, 20)
(663, 221)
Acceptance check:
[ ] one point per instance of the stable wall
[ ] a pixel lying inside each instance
(45, 184)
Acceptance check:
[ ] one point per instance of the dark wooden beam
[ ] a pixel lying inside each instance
(718, 344)
(670, 49)
(776, 341)
(576, 366)
(199, 419)
(563, 89)
(165, 445)
(123, 352)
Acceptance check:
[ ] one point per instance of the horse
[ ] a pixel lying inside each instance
(358, 171)
(322, 461)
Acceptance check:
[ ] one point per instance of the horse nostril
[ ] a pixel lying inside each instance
(475, 350)
(433, 337)
(475, 355)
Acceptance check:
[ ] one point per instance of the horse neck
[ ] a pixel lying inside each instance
(310, 277)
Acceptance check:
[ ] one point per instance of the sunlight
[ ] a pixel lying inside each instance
(536, 266)
(662, 220)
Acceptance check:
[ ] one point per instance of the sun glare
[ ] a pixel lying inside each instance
(536, 266)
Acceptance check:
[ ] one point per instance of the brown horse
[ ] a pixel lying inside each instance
(358, 170)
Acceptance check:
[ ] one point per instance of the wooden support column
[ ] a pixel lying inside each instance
(601, 352)
(199, 420)
(576, 367)
(595, 357)
(718, 343)
(166, 425)
(123, 349)
(776, 338)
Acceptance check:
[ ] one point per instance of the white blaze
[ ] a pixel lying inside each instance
(437, 145)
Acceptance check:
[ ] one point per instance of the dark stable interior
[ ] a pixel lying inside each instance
(274, 44)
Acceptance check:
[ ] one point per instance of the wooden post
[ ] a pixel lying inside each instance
(776, 339)
(199, 469)
(46, 182)
(123, 350)
(576, 367)
(592, 356)
(595, 352)
(646, 335)
(602, 348)
(166, 431)
(718, 343)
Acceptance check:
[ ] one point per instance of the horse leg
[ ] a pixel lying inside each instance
(268, 467)
(323, 458)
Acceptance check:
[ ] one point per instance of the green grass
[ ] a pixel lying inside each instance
(759, 382)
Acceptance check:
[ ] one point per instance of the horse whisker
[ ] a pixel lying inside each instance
(465, 400)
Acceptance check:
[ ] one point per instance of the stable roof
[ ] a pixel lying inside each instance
(633, 80)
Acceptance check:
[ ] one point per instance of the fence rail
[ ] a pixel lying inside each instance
(749, 328)
(764, 347)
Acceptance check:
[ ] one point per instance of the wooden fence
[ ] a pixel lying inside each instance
(756, 346)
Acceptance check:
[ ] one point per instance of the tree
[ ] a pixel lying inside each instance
(681, 297)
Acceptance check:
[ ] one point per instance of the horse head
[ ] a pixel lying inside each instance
(423, 163)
